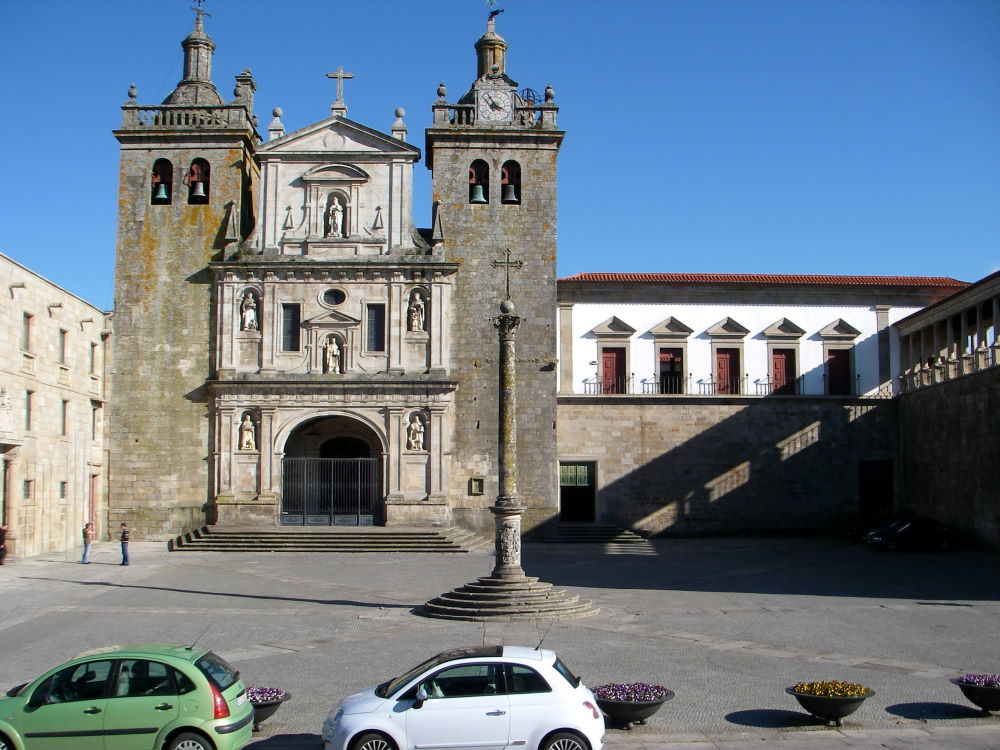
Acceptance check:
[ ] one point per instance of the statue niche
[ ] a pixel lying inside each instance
(333, 356)
(416, 312)
(249, 320)
(336, 223)
(415, 433)
(248, 434)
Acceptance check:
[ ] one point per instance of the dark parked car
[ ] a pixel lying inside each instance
(914, 534)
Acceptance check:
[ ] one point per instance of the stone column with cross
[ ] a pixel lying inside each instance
(338, 108)
(507, 593)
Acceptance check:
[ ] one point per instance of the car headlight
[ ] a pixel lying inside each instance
(337, 717)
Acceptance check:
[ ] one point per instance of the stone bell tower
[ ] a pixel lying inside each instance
(187, 178)
(493, 158)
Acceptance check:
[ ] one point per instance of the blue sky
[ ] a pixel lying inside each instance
(770, 136)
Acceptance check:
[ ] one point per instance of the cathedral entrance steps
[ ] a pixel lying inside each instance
(327, 539)
(593, 533)
(524, 598)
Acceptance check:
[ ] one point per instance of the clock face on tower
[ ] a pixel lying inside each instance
(494, 106)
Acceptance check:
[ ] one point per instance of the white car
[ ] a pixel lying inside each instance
(487, 698)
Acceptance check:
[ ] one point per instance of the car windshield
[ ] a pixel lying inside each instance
(217, 670)
(389, 688)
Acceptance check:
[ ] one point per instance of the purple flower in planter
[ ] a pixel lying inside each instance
(981, 680)
(261, 694)
(630, 691)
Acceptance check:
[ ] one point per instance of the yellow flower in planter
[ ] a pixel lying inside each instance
(831, 689)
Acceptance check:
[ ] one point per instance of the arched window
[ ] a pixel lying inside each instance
(198, 181)
(479, 182)
(162, 182)
(510, 182)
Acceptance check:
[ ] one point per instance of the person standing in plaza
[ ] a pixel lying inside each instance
(3, 543)
(88, 539)
(124, 540)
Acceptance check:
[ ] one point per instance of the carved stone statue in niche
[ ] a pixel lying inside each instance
(415, 433)
(335, 216)
(415, 313)
(248, 313)
(248, 441)
(331, 356)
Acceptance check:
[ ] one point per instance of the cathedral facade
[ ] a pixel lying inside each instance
(289, 348)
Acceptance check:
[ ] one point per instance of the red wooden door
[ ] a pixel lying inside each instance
(838, 372)
(727, 369)
(783, 371)
(613, 370)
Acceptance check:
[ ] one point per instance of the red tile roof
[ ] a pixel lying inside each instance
(762, 279)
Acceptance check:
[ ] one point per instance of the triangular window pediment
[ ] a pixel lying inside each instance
(332, 319)
(783, 329)
(839, 329)
(337, 134)
(727, 328)
(613, 327)
(671, 328)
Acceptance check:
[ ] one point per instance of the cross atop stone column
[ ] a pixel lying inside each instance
(338, 107)
(507, 265)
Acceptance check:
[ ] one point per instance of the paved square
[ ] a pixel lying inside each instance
(727, 624)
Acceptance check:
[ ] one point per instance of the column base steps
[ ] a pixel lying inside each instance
(493, 599)
(328, 539)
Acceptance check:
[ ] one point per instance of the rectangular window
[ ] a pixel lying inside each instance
(375, 337)
(28, 398)
(92, 364)
(62, 418)
(28, 489)
(26, 333)
(62, 346)
(62, 490)
(291, 321)
(95, 419)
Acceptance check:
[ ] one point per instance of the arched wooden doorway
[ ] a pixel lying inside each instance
(332, 475)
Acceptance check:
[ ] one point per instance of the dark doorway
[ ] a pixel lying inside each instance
(345, 447)
(727, 371)
(876, 491)
(577, 487)
(671, 371)
(838, 372)
(783, 371)
(613, 370)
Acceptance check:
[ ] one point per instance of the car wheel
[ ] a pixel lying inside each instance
(5, 744)
(373, 741)
(189, 741)
(563, 741)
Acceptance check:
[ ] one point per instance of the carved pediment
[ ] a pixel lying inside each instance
(671, 329)
(338, 134)
(727, 328)
(613, 327)
(332, 320)
(336, 174)
(839, 330)
(783, 329)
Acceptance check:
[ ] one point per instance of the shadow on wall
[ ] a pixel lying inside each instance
(730, 465)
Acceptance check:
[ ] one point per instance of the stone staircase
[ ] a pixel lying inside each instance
(351, 539)
(593, 533)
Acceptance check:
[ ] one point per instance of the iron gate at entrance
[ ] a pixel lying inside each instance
(331, 491)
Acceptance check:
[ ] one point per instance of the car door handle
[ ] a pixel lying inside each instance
(163, 707)
(92, 710)
(498, 712)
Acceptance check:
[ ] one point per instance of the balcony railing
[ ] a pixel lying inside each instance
(541, 116)
(182, 116)
(666, 384)
(941, 370)
(731, 386)
(771, 387)
(609, 386)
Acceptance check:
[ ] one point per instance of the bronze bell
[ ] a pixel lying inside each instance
(161, 193)
(509, 194)
(477, 195)
(198, 190)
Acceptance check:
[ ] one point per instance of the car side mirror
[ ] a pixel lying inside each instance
(420, 696)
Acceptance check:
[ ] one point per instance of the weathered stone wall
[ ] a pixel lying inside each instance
(159, 426)
(951, 453)
(690, 465)
(54, 462)
(475, 236)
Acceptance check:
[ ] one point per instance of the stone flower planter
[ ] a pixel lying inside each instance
(982, 690)
(830, 709)
(265, 702)
(632, 703)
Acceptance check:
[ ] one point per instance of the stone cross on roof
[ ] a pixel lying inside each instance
(507, 265)
(338, 107)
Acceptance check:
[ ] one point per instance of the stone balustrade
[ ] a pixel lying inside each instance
(181, 117)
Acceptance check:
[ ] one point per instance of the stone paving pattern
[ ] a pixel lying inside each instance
(727, 624)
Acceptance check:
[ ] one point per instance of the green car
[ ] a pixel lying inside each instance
(147, 697)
